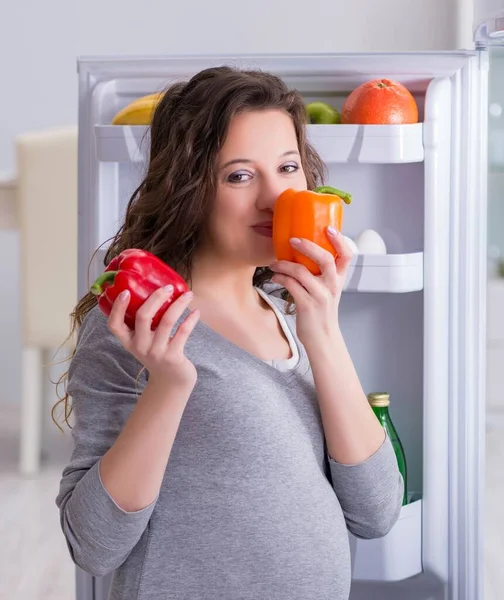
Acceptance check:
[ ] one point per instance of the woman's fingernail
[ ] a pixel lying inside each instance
(124, 295)
(168, 289)
(332, 231)
(295, 241)
(188, 295)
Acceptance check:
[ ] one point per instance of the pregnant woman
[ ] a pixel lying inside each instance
(226, 454)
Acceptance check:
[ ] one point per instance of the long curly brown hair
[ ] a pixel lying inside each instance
(166, 213)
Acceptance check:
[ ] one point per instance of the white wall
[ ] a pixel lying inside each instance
(39, 42)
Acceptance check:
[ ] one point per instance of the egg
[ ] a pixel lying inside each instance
(352, 244)
(370, 242)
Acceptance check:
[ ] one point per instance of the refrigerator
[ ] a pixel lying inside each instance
(413, 318)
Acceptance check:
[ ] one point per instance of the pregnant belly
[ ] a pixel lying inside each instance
(242, 545)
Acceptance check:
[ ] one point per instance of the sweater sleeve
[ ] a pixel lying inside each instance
(104, 385)
(370, 493)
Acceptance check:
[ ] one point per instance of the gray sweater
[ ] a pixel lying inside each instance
(251, 506)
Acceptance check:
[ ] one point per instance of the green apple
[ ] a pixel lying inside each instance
(321, 113)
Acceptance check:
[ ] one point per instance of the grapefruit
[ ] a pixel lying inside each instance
(380, 102)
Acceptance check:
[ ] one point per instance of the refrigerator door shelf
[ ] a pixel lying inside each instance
(394, 557)
(386, 273)
(378, 144)
(373, 273)
(488, 24)
(490, 33)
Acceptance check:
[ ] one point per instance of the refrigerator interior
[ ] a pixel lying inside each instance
(395, 310)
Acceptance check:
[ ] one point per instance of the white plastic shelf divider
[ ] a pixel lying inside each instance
(372, 144)
(392, 273)
(394, 557)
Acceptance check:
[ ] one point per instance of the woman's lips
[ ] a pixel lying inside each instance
(264, 230)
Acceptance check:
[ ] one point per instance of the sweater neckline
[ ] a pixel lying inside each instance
(210, 333)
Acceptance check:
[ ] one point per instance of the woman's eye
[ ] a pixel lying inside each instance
(238, 177)
(290, 168)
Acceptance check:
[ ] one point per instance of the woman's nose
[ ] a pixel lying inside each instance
(269, 194)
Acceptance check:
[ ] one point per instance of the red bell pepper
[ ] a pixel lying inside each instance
(142, 273)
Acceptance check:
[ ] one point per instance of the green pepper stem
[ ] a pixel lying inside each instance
(328, 189)
(97, 287)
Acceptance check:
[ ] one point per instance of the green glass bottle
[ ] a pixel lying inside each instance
(379, 402)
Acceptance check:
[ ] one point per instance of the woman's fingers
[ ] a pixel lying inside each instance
(319, 255)
(145, 314)
(116, 323)
(330, 267)
(299, 273)
(179, 340)
(167, 322)
(292, 285)
(343, 250)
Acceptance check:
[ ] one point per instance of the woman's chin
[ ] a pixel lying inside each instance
(264, 259)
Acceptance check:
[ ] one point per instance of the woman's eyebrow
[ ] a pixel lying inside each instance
(247, 160)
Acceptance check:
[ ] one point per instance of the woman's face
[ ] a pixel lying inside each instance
(259, 160)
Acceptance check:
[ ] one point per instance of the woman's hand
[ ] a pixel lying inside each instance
(352, 431)
(160, 353)
(317, 297)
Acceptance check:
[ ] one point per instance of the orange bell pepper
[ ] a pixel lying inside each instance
(307, 214)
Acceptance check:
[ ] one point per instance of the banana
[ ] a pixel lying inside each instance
(138, 112)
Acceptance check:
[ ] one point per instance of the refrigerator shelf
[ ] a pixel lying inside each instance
(387, 273)
(394, 557)
(372, 144)
(393, 273)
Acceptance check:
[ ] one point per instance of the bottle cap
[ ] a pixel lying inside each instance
(379, 399)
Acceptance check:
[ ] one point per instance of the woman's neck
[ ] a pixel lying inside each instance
(225, 283)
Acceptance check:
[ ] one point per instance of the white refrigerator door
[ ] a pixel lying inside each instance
(435, 550)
